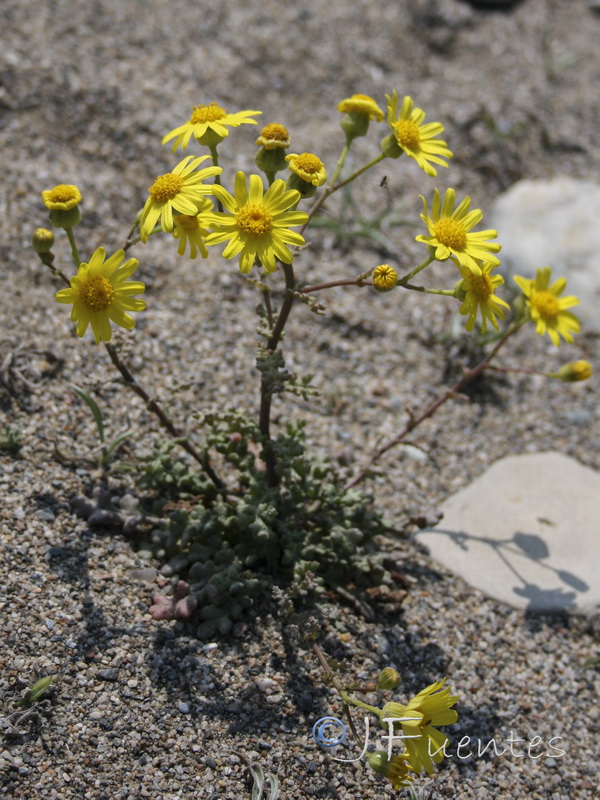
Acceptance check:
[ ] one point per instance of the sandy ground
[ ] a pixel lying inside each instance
(145, 709)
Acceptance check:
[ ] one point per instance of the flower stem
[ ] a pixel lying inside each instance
(341, 161)
(328, 192)
(404, 280)
(74, 250)
(215, 159)
(264, 420)
(153, 406)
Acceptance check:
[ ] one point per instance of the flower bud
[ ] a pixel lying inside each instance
(389, 678)
(42, 240)
(384, 278)
(574, 371)
(394, 768)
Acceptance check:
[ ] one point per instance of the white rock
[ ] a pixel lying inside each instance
(526, 532)
(265, 684)
(553, 223)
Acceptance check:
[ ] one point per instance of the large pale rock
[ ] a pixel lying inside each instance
(553, 223)
(527, 532)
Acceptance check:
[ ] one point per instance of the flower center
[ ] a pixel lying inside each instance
(407, 134)
(545, 304)
(481, 287)
(165, 187)
(450, 232)
(210, 113)
(275, 131)
(254, 220)
(188, 223)
(309, 163)
(64, 194)
(97, 293)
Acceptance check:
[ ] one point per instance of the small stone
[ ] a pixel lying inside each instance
(145, 574)
(184, 708)
(102, 518)
(111, 674)
(265, 684)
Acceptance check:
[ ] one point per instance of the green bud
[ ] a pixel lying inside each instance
(42, 240)
(389, 678)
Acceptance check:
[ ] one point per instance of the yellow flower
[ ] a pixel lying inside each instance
(361, 104)
(188, 228)
(411, 136)
(384, 278)
(308, 167)
(181, 190)
(100, 294)
(395, 769)
(208, 124)
(256, 224)
(575, 371)
(449, 232)
(478, 293)
(546, 308)
(63, 197)
(430, 708)
(274, 137)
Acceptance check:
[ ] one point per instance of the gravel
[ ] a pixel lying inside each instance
(140, 708)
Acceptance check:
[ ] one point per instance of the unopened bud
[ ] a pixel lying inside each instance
(574, 371)
(42, 240)
(389, 678)
(384, 278)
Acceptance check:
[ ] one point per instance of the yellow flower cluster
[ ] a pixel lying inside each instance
(256, 222)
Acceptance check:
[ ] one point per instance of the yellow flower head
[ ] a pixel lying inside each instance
(256, 224)
(63, 197)
(188, 229)
(478, 293)
(409, 135)
(384, 278)
(181, 190)
(208, 124)
(394, 768)
(361, 104)
(430, 708)
(274, 137)
(100, 294)
(308, 167)
(449, 232)
(546, 308)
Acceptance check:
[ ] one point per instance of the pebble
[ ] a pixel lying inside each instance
(111, 674)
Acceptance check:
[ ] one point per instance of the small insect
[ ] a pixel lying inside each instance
(384, 181)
